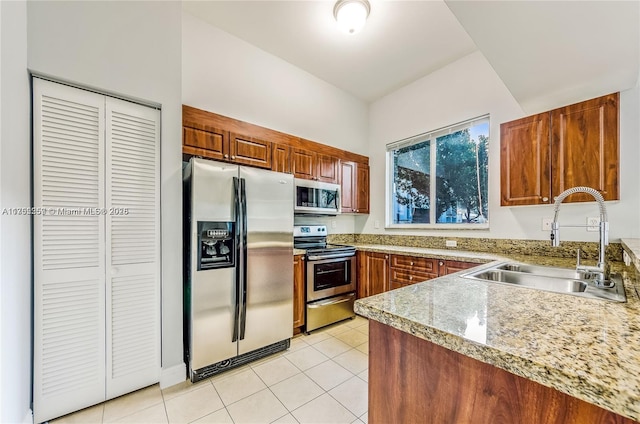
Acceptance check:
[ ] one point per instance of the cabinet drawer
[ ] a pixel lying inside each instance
(407, 277)
(449, 267)
(423, 265)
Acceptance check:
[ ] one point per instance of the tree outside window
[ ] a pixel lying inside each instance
(458, 159)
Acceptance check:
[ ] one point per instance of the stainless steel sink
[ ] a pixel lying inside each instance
(558, 280)
(546, 271)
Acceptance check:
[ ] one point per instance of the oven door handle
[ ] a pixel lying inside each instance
(337, 255)
(333, 301)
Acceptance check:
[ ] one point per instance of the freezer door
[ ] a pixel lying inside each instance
(211, 293)
(268, 314)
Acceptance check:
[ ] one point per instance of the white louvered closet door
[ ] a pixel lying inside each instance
(69, 252)
(96, 250)
(133, 246)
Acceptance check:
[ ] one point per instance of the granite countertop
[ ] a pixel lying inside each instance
(456, 255)
(585, 348)
(632, 247)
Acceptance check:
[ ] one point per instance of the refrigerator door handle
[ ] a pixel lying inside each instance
(243, 203)
(237, 212)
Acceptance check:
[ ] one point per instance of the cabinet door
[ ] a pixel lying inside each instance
(327, 168)
(281, 158)
(362, 188)
(584, 139)
(298, 291)
(348, 186)
(303, 163)
(212, 143)
(132, 246)
(373, 273)
(68, 250)
(378, 264)
(524, 161)
(250, 151)
(449, 267)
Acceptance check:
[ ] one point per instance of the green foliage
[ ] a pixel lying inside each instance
(461, 180)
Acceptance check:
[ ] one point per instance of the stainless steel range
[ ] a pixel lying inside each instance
(330, 276)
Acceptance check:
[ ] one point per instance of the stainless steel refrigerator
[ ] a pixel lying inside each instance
(238, 235)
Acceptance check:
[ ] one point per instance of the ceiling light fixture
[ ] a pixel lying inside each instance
(351, 14)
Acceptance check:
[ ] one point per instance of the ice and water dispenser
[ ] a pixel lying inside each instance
(216, 241)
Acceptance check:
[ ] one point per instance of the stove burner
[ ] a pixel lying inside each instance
(306, 237)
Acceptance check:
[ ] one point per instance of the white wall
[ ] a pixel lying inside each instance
(224, 74)
(15, 260)
(469, 88)
(131, 49)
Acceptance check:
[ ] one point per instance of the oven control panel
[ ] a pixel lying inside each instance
(309, 230)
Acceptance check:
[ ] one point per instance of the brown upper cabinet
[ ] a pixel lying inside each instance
(327, 168)
(312, 165)
(218, 137)
(250, 151)
(354, 185)
(210, 142)
(222, 145)
(281, 158)
(303, 164)
(576, 145)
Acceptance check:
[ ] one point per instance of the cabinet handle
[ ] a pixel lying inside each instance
(357, 210)
(410, 263)
(440, 263)
(386, 256)
(545, 199)
(226, 156)
(233, 157)
(411, 277)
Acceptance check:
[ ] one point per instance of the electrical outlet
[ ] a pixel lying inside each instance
(451, 243)
(546, 224)
(334, 224)
(376, 223)
(593, 223)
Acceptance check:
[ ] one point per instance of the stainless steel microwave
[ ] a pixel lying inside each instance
(316, 198)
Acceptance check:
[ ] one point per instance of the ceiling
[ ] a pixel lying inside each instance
(549, 50)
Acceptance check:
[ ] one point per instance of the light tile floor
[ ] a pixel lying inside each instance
(322, 378)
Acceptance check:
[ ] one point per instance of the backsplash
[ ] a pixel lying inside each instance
(567, 249)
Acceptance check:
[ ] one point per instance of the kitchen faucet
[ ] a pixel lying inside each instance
(601, 270)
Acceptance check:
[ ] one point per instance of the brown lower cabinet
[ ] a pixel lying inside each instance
(412, 380)
(380, 272)
(298, 292)
(449, 267)
(373, 273)
(406, 270)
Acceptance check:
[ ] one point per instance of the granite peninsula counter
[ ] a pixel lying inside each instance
(587, 349)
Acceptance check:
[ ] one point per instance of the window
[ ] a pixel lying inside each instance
(457, 157)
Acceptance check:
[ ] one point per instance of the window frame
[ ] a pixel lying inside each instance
(420, 138)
